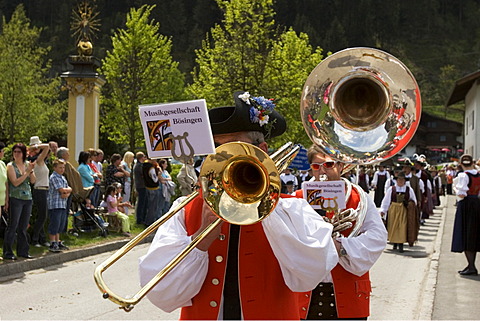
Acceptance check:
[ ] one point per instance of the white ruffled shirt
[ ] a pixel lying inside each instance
(364, 249)
(420, 183)
(300, 239)
(429, 185)
(461, 182)
(380, 173)
(387, 199)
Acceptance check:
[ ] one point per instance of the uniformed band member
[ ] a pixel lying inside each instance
(380, 178)
(424, 175)
(466, 229)
(363, 180)
(241, 272)
(345, 292)
(400, 209)
(414, 182)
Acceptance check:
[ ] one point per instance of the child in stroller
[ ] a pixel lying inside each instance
(86, 218)
(113, 203)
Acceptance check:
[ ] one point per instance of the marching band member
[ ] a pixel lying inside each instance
(345, 292)
(399, 206)
(424, 175)
(467, 218)
(363, 180)
(241, 272)
(380, 178)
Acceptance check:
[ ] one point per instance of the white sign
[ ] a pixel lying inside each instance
(327, 195)
(181, 128)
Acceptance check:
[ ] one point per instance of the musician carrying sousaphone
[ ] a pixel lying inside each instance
(359, 106)
(345, 292)
(241, 271)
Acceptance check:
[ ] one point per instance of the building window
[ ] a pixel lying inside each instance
(473, 119)
(432, 124)
(443, 138)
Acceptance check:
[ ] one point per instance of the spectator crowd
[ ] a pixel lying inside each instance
(42, 193)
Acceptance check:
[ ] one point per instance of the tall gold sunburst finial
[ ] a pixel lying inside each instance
(84, 26)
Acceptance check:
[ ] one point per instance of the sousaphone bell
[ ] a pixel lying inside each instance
(360, 106)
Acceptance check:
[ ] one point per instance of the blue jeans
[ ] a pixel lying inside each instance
(18, 220)
(154, 202)
(142, 205)
(40, 202)
(95, 196)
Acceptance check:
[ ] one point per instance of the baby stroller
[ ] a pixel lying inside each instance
(86, 219)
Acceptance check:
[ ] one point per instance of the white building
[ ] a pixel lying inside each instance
(468, 89)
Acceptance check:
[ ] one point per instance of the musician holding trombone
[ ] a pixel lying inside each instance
(345, 292)
(241, 271)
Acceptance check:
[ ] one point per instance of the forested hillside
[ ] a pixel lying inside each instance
(439, 40)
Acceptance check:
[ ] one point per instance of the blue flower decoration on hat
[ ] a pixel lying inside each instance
(260, 110)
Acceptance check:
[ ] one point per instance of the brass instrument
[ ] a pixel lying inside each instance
(240, 183)
(360, 106)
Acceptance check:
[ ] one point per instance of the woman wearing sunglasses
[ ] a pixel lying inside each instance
(20, 176)
(345, 292)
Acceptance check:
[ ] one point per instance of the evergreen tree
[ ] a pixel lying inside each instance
(28, 99)
(139, 70)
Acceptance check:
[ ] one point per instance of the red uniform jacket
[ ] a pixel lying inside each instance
(263, 292)
(352, 293)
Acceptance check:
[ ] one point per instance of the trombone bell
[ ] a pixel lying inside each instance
(240, 183)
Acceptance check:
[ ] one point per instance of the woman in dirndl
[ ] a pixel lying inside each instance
(399, 203)
(466, 228)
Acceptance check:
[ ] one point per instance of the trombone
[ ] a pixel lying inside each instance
(240, 183)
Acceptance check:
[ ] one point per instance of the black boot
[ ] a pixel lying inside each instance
(400, 247)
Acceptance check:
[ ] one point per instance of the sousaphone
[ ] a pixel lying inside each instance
(360, 106)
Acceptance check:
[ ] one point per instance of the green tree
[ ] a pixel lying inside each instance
(28, 98)
(235, 53)
(245, 53)
(290, 61)
(139, 70)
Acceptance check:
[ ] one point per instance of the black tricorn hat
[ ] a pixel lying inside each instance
(407, 162)
(423, 164)
(233, 119)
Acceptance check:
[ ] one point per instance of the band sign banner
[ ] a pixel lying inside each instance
(327, 195)
(179, 129)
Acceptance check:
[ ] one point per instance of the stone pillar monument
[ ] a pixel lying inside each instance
(83, 84)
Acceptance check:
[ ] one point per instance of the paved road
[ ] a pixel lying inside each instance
(404, 285)
(68, 292)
